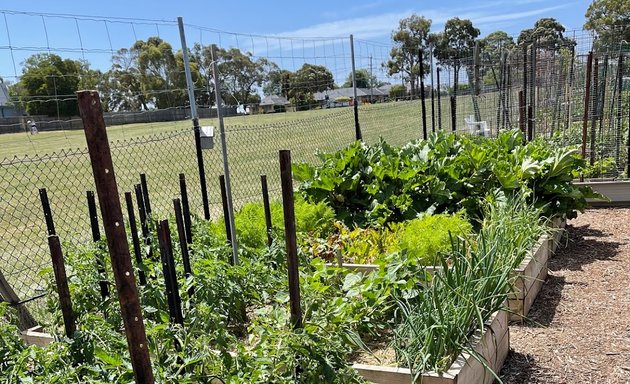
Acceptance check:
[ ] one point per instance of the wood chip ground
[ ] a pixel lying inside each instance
(579, 327)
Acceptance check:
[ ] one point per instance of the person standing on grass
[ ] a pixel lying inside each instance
(33, 127)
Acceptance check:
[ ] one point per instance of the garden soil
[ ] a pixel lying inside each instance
(579, 327)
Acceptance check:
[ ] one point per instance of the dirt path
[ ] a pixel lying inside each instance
(579, 328)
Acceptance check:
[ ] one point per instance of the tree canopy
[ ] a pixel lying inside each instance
(547, 34)
(610, 19)
(48, 84)
(364, 79)
(411, 38)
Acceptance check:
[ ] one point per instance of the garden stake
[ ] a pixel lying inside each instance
(181, 233)
(439, 99)
(145, 194)
(424, 107)
(453, 113)
(587, 91)
(50, 225)
(594, 110)
(286, 179)
(170, 276)
(202, 171)
(133, 227)
(185, 207)
(619, 109)
(521, 112)
(226, 213)
(96, 237)
(265, 195)
(91, 113)
(144, 223)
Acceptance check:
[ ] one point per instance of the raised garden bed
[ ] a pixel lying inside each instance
(617, 191)
(492, 345)
(529, 276)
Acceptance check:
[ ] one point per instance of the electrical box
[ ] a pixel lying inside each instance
(207, 137)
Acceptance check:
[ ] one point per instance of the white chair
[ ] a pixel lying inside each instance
(477, 127)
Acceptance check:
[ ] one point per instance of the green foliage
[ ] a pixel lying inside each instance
(547, 33)
(429, 238)
(610, 19)
(397, 91)
(314, 219)
(379, 184)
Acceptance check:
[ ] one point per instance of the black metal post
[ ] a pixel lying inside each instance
(50, 225)
(185, 207)
(226, 212)
(133, 227)
(453, 113)
(439, 100)
(181, 233)
(96, 237)
(265, 195)
(422, 96)
(145, 194)
(202, 171)
(170, 276)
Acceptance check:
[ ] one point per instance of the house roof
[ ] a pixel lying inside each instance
(347, 92)
(274, 100)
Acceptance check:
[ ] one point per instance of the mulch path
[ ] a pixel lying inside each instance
(579, 327)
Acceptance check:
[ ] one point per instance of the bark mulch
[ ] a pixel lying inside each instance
(579, 327)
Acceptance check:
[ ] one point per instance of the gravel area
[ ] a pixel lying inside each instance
(579, 327)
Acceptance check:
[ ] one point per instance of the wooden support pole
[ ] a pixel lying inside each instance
(267, 206)
(183, 191)
(91, 113)
(96, 237)
(170, 276)
(25, 319)
(286, 179)
(183, 244)
(61, 280)
(135, 239)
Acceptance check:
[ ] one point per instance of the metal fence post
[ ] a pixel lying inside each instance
(96, 237)
(587, 94)
(439, 99)
(422, 95)
(91, 113)
(226, 165)
(432, 92)
(355, 102)
(195, 120)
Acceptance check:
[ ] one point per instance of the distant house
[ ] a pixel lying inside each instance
(343, 96)
(6, 109)
(274, 103)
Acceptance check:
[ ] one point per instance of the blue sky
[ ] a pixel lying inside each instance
(371, 20)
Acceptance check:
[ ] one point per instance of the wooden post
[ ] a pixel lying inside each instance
(91, 113)
(265, 195)
(145, 194)
(133, 227)
(25, 319)
(170, 276)
(96, 237)
(286, 178)
(587, 94)
(226, 212)
(185, 208)
(183, 244)
(61, 280)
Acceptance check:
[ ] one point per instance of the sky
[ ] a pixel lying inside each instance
(255, 22)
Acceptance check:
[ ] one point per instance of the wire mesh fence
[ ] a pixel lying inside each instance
(279, 92)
